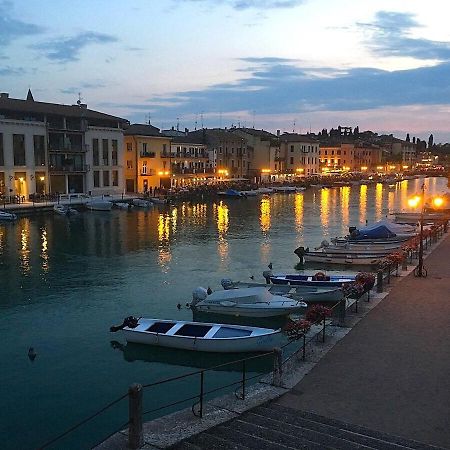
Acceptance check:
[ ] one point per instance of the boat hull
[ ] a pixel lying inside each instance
(344, 259)
(302, 280)
(252, 310)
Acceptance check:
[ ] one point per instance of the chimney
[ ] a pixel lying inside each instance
(278, 133)
(4, 95)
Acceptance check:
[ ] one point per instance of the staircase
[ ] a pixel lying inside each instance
(272, 426)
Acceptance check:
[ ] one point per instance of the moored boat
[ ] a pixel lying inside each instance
(343, 258)
(99, 204)
(247, 302)
(64, 210)
(199, 336)
(141, 203)
(232, 193)
(317, 279)
(7, 216)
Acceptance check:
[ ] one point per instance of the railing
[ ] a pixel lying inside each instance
(147, 154)
(69, 168)
(318, 334)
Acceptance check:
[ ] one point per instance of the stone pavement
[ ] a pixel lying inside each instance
(391, 373)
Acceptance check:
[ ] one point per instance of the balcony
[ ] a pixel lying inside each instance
(144, 154)
(190, 171)
(68, 168)
(148, 173)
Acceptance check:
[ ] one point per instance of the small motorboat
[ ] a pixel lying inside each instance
(231, 193)
(64, 210)
(99, 204)
(285, 189)
(264, 190)
(247, 302)
(123, 205)
(10, 217)
(358, 259)
(317, 279)
(199, 336)
(141, 203)
(158, 200)
(308, 294)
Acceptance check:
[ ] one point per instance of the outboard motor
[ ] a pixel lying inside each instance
(130, 322)
(300, 252)
(227, 283)
(267, 274)
(198, 294)
(351, 229)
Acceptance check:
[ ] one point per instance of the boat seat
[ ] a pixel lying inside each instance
(193, 330)
(160, 327)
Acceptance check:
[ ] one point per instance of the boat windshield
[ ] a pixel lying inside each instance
(160, 327)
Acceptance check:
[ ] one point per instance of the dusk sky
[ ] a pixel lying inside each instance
(300, 65)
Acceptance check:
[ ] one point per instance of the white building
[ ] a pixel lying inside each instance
(301, 154)
(50, 148)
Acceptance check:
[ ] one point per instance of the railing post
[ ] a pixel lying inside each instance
(323, 330)
(243, 380)
(380, 281)
(277, 367)
(388, 278)
(342, 308)
(304, 347)
(135, 433)
(201, 394)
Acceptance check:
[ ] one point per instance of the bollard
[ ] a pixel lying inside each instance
(135, 433)
(342, 308)
(380, 281)
(277, 367)
(404, 263)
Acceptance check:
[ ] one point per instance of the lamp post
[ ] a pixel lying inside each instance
(420, 270)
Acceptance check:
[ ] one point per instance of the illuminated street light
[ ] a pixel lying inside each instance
(417, 200)
(438, 202)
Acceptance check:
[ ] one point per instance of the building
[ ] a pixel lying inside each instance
(54, 148)
(300, 154)
(229, 156)
(266, 162)
(146, 158)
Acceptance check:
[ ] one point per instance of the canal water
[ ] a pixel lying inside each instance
(65, 281)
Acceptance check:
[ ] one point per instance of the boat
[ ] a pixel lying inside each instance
(158, 200)
(64, 210)
(99, 204)
(383, 229)
(247, 302)
(7, 216)
(319, 279)
(123, 205)
(308, 294)
(414, 218)
(363, 259)
(250, 193)
(359, 246)
(199, 336)
(264, 190)
(141, 203)
(231, 193)
(285, 189)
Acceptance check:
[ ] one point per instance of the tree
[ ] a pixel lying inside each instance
(407, 138)
(430, 141)
(356, 130)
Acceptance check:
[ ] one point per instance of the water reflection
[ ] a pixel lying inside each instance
(222, 227)
(164, 253)
(298, 210)
(44, 250)
(163, 227)
(174, 220)
(24, 247)
(345, 207)
(378, 201)
(363, 203)
(325, 210)
(264, 217)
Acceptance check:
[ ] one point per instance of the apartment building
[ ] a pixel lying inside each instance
(49, 148)
(147, 158)
(300, 154)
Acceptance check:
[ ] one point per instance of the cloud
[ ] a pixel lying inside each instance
(11, 28)
(10, 71)
(390, 37)
(83, 86)
(251, 4)
(68, 49)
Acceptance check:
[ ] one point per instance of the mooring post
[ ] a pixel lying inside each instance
(342, 308)
(135, 432)
(277, 367)
(380, 281)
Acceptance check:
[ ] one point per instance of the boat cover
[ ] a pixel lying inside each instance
(382, 229)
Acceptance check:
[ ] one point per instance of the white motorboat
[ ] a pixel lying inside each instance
(199, 336)
(158, 200)
(10, 217)
(317, 279)
(99, 204)
(306, 293)
(285, 189)
(123, 205)
(250, 193)
(64, 210)
(363, 259)
(248, 302)
(141, 203)
(264, 190)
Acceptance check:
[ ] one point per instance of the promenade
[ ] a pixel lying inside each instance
(392, 371)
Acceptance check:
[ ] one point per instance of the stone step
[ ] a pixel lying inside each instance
(356, 429)
(186, 445)
(210, 440)
(292, 433)
(293, 418)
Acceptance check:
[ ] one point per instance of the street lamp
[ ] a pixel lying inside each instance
(420, 270)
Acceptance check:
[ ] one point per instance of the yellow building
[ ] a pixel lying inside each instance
(146, 164)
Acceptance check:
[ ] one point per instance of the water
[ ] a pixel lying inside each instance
(65, 281)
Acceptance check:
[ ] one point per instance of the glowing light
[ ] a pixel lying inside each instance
(42, 178)
(364, 168)
(222, 219)
(414, 201)
(392, 167)
(300, 170)
(380, 167)
(265, 170)
(405, 167)
(21, 179)
(438, 202)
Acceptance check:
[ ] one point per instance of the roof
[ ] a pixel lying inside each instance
(187, 139)
(209, 135)
(295, 137)
(30, 106)
(141, 129)
(262, 134)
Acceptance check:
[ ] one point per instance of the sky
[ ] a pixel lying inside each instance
(289, 65)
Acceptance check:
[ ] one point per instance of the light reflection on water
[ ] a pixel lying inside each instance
(65, 281)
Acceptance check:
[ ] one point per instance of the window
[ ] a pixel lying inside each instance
(338, 152)
(95, 153)
(292, 148)
(115, 178)
(144, 168)
(129, 164)
(106, 178)
(129, 147)
(19, 149)
(292, 160)
(326, 152)
(2, 158)
(96, 178)
(114, 152)
(105, 152)
(39, 150)
(144, 147)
